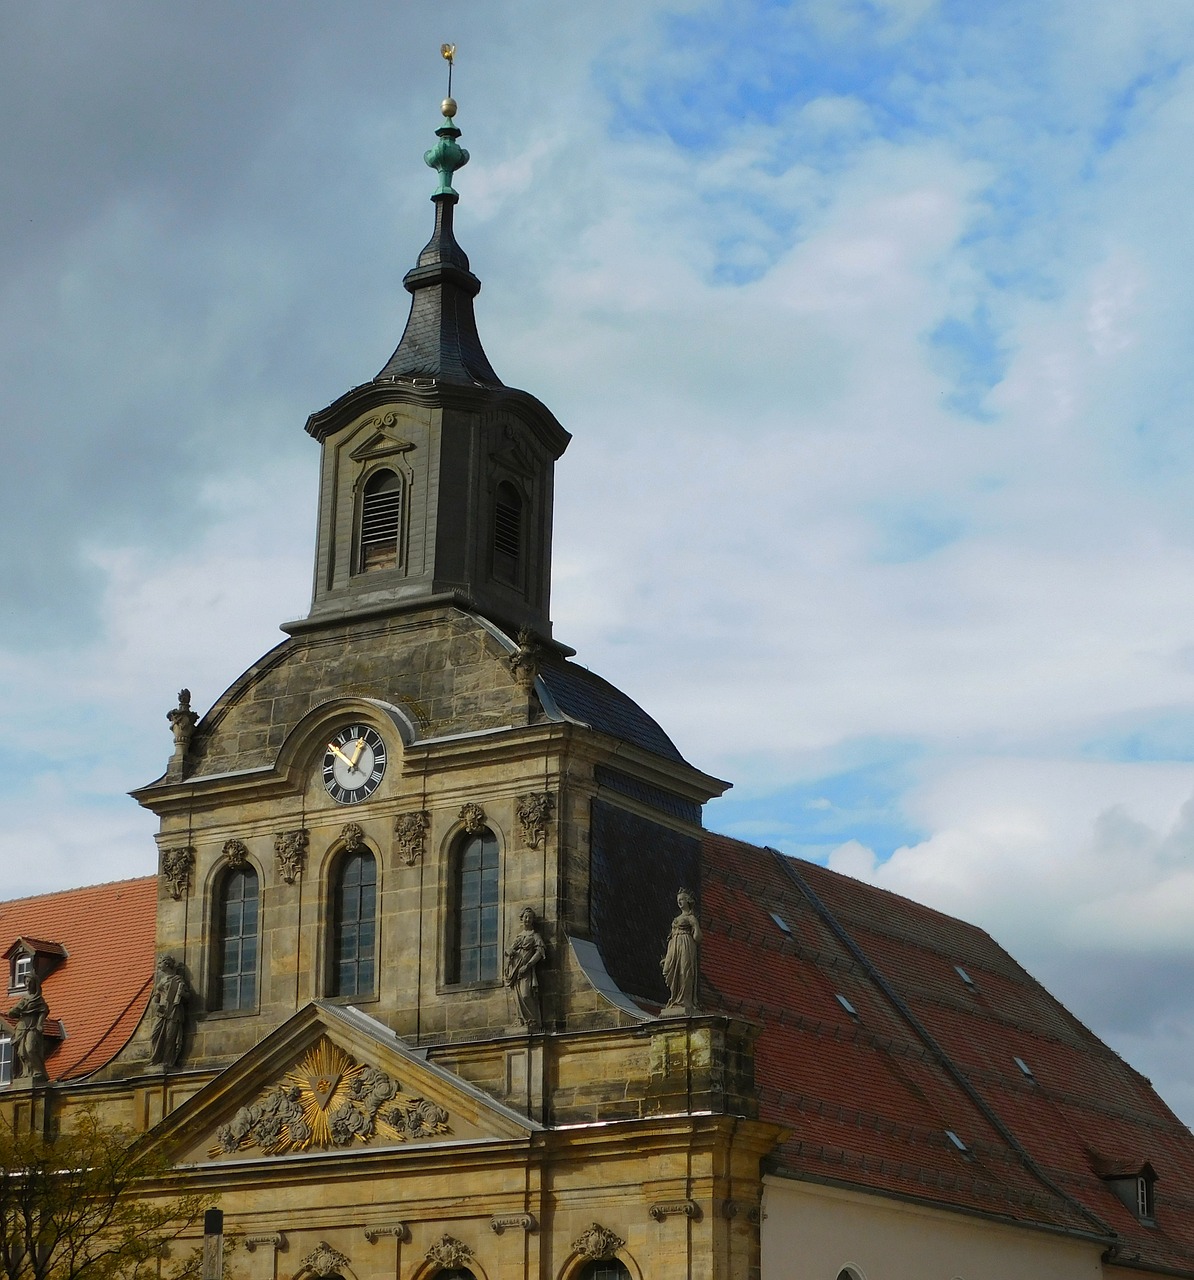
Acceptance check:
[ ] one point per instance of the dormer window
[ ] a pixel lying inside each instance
(381, 522)
(31, 956)
(1133, 1183)
(22, 967)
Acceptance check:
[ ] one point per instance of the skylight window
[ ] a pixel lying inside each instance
(1024, 1067)
(849, 1008)
(966, 978)
(784, 926)
(958, 1143)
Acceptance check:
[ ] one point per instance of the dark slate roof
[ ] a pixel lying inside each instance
(440, 341)
(584, 696)
(869, 1099)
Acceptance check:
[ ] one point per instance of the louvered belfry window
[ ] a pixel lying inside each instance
(237, 947)
(507, 534)
(381, 521)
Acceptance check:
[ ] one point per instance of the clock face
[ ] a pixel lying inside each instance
(354, 764)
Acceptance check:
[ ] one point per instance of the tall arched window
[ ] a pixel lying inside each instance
(236, 948)
(354, 925)
(507, 534)
(473, 919)
(381, 521)
(606, 1269)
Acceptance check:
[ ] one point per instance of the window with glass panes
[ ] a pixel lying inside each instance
(606, 1269)
(473, 944)
(354, 914)
(239, 901)
(5, 1059)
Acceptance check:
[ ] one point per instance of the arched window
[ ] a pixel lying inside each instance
(381, 521)
(606, 1269)
(507, 534)
(236, 944)
(354, 925)
(473, 918)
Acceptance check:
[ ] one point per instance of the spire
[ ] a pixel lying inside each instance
(440, 340)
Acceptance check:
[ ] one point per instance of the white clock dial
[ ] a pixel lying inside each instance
(354, 764)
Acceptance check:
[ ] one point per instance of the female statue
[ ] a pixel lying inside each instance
(680, 964)
(526, 953)
(29, 1036)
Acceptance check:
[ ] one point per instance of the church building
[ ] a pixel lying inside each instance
(441, 975)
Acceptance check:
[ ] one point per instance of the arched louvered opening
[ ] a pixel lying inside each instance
(508, 534)
(381, 522)
(473, 911)
(354, 925)
(237, 930)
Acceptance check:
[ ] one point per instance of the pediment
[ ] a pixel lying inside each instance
(381, 438)
(331, 1079)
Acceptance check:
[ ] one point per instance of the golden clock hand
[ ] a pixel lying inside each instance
(335, 750)
(356, 755)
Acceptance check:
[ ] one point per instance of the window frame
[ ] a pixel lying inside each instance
(6, 1059)
(499, 558)
(455, 975)
(217, 975)
(336, 922)
(401, 487)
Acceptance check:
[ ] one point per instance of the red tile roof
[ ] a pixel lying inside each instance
(100, 990)
(869, 1099)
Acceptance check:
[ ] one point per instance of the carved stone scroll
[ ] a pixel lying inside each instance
(473, 818)
(291, 850)
(275, 1240)
(447, 1251)
(177, 865)
(323, 1261)
(675, 1208)
(597, 1242)
(236, 852)
(511, 1221)
(534, 813)
(353, 836)
(399, 1230)
(410, 833)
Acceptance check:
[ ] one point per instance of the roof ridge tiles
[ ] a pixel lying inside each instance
(84, 888)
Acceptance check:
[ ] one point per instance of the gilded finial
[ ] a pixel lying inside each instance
(446, 156)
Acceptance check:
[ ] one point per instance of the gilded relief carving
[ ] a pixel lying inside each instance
(328, 1101)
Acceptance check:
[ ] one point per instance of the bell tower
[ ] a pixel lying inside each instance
(436, 482)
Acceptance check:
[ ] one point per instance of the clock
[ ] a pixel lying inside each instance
(354, 764)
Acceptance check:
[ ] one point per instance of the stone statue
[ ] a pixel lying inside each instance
(527, 952)
(182, 721)
(168, 1004)
(29, 1036)
(680, 964)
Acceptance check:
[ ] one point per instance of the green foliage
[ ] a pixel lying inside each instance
(88, 1204)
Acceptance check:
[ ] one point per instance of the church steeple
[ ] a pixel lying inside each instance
(440, 340)
(436, 485)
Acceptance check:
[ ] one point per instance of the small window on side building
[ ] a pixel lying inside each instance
(22, 967)
(5, 1060)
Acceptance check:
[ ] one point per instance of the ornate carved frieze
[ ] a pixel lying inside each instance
(526, 660)
(291, 850)
(353, 836)
(177, 865)
(597, 1242)
(673, 1208)
(512, 1221)
(473, 818)
(534, 813)
(447, 1251)
(236, 852)
(399, 1230)
(323, 1261)
(329, 1100)
(410, 834)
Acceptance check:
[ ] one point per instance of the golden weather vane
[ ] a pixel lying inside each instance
(448, 53)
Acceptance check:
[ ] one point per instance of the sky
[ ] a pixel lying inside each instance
(871, 320)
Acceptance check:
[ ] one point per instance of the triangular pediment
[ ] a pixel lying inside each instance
(380, 438)
(331, 1079)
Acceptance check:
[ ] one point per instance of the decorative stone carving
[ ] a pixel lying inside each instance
(323, 1261)
(275, 1240)
(473, 818)
(526, 660)
(291, 850)
(680, 964)
(410, 833)
(29, 1034)
(398, 1230)
(447, 1251)
(597, 1242)
(168, 1009)
(673, 1208)
(327, 1101)
(527, 952)
(177, 865)
(512, 1220)
(182, 721)
(353, 836)
(236, 852)
(534, 812)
